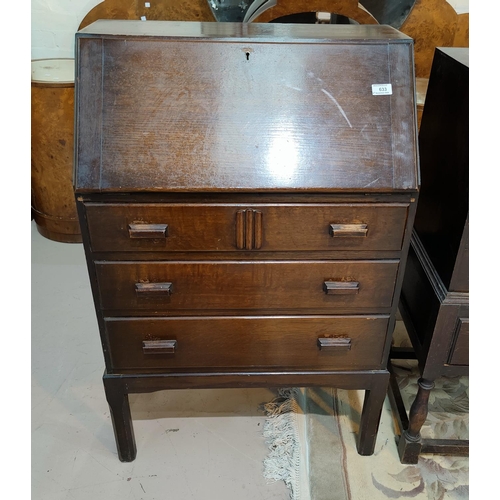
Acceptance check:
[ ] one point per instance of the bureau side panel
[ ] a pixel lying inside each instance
(444, 159)
(419, 305)
(88, 113)
(82, 216)
(403, 117)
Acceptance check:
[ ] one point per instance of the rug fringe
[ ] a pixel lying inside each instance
(281, 433)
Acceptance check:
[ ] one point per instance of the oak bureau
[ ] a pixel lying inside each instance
(246, 194)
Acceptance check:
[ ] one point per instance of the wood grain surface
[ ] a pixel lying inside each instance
(248, 342)
(204, 117)
(214, 227)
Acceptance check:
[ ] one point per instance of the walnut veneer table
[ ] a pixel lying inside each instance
(246, 195)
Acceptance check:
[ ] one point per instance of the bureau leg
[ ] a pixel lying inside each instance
(121, 418)
(410, 442)
(370, 415)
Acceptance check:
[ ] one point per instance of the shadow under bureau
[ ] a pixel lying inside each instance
(246, 194)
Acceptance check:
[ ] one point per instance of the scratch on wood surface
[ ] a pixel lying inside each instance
(372, 182)
(337, 104)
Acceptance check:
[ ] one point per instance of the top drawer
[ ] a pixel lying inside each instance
(228, 227)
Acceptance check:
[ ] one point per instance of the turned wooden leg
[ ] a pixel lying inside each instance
(121, 418)
(370, 415)
(410, 442)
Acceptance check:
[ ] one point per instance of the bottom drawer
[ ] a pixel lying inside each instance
(319, 342)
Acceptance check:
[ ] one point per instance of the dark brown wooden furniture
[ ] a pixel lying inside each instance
(435, 294)
(246, 194)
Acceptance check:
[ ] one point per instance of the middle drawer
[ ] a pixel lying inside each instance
(204, 287)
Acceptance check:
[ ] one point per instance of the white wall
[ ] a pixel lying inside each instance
(54, 23)
(461, 6)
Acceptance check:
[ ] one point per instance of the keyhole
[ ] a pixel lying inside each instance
(248, 55)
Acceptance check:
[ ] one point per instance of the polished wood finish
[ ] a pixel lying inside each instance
(422, 84)
(272, 286)
(432, 24)
(442, 219)
(243, 138)
(247, 207)
(121, 418)
(118, 387)
(197, 227)
(163, 10)
(52, 136)
(409, 444)
(435, 296)
(252, 341)
(418, 410)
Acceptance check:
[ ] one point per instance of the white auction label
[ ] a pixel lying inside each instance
(382, 89)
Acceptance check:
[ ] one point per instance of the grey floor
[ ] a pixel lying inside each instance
(205, 444)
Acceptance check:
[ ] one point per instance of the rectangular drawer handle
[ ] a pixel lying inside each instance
(335, 343)
(341, 287)
(153, 289)
(147, 231)
(348, 230)
(159, 346)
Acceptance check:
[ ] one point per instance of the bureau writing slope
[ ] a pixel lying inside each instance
(246, 194)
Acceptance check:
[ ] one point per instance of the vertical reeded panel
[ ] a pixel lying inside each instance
(248, 229)
(257, 243)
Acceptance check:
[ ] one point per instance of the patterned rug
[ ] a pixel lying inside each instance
(335, 471)
(435, 477)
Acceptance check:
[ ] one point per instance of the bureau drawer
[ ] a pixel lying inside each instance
(330, 287)
(344, 343)
(230, 227)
